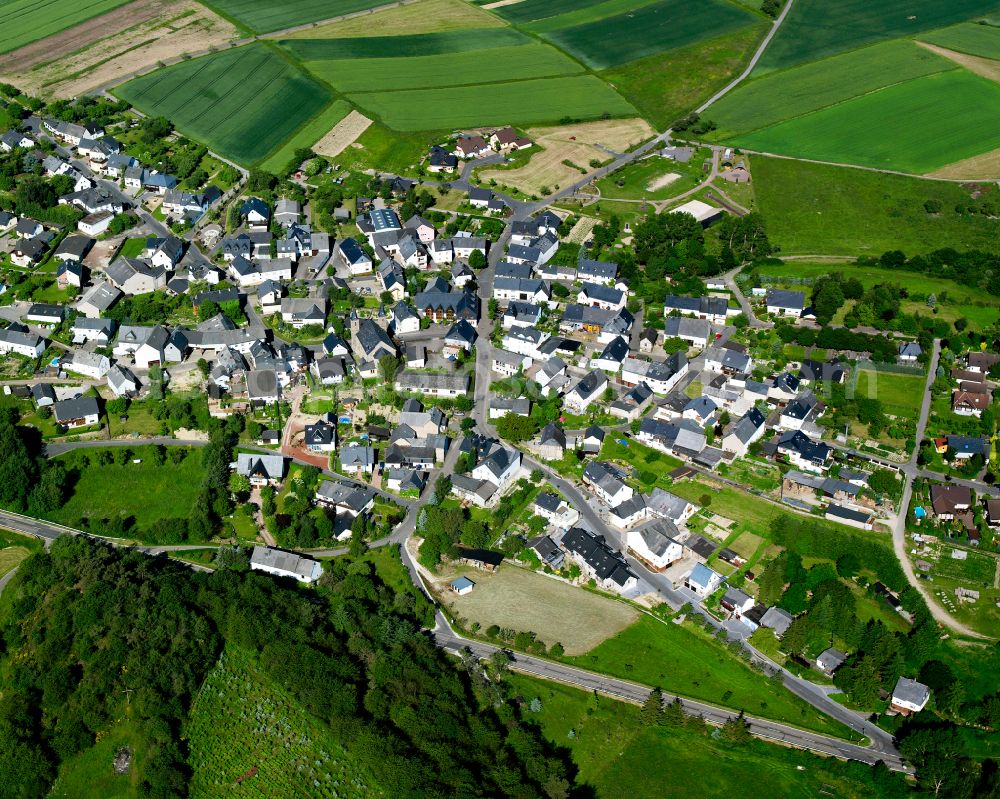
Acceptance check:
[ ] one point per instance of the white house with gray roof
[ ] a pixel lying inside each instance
(285, 564)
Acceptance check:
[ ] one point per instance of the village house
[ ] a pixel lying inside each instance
(285, 564)
(909, 696)
(80, 411)
(598, 561)
(702, 581)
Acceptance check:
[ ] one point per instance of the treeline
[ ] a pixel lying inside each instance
(839, 339)
(28, 481)
(973, 268)
(92, 629)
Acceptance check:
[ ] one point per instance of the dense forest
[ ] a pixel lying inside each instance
(87, 628)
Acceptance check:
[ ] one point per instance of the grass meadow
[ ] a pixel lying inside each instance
(518, 103)
(673, 763)
(815, 29)
(790, 93)
(143, 490)
(949, 116)
(967, 37)
(953, 299)
(819, 209)
(27, 21)
(89, 774)
(261, 17)
(666, 86)
(681, 660)
(647, 30)
(899, 394)
(244, 103)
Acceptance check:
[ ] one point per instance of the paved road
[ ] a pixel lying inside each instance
(637, 694)
(730, 278)
(910, 471)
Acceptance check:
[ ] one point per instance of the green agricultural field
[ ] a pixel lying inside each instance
(949, 117)
(967, 37)
(666, 86)
(248, 738)
(267, 17)
(404, 46)
(681, 660)
(144, 490)
(820, 209)
(529, 11)
(790, 93)
(535, 60)
(306, 136)
(585, 14)
(27, 21)
(675, 762)
(244, 103)
(815, 29)
(519, 103)
(659, 26)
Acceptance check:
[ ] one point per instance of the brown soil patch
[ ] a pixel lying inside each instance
(343, 134)
(502, 3)
(979, 167)
(113, 47)
(581, 230)
(662, 181)
(574, 143)
(985, 67)
(426, 16)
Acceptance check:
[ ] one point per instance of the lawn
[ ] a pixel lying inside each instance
(267, 17)
(650, 29)
(249, 738)
(949, 117)
(526, 601)
(828, 210)
(611, 748)
(790, 93)
(680, 660)
(306, 136)
(651, 465)
(26, 21)
(243, 103)
(666, 86)
(899, 394)
(517, 103)
(144, 490)
(815, 29)
(358, 74)
(132, 248)
(90, 775)
(967, 37)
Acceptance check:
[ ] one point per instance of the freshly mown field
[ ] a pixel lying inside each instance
(948, 117)
(654, 28)
(535, 60)
(306, 136)
(517, 103)
(815, 29)
(819, 209)
(790, 93)
(675, 762)
(144, 491)
(248, 738)
(243, 103)
(666, 86)
(26, 21)
(404, 46)
(266, 17)
(526, 601)
(967, 37)
(680, 660)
